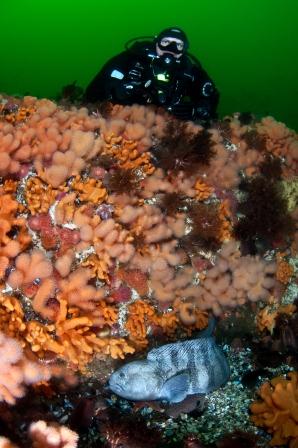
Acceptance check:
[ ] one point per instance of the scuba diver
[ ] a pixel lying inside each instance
(159, 72)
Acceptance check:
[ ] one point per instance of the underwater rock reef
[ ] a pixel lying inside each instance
(122, 229)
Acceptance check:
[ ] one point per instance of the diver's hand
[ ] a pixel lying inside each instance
(134, 92)
(202, 113)
(182, 111)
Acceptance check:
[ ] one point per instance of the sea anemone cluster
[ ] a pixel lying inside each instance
(120, 228)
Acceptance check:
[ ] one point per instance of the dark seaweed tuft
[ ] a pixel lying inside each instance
(182, 149)
(105, 161)
(286, 333)
(121, 181)
(224, 128)
(139, 241)
(238, 439)
(254, 140)
(171, 203)
(271, 167)
(280, 346)
(246, 118)
(70, 93)
(206, 225)
(129, 431)
(264, 217)
(99, 108)
(105, 108)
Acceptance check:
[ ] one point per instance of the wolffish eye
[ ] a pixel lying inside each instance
(122, 374)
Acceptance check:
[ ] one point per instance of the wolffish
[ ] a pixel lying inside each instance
(173, 371)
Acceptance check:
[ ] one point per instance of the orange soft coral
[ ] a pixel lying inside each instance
(41, 298)
(278, 410)
(234, 279)
(190, 315)
(47, 435)
(16, 371)
(29, 267)
(133, 237)
(10, 247)
(112, 241)
(76, 290)
(281, 141)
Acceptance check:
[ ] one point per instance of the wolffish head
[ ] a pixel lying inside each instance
(137, 380)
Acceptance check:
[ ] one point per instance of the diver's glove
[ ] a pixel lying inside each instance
(135, 89)
(202, 113)
(182, 111)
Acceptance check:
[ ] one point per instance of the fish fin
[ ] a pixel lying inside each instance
(175, 389)
(209, 331)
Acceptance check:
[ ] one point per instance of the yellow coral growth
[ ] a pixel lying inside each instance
(114, 347)
(8, 207)
(168, 322)
(103, 315)
(98, 266)
(40, 338)
(266, 317)
(21, 114)
(140, 313)
(90, 190)
(75, 341)
(10, 186)
(203, 191)
(11, 317)
(65, 208)
(39, 196)
(225, 217)
(10, 247)
(37, 336)
(125, 151)
(109, 313)
(71, 338)
(284, 271)
(278, 410)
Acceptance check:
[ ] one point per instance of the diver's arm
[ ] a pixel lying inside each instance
(97, 89)
(121, 80)
(204, 95)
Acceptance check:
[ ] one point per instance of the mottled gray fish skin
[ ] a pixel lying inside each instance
(173, 371)
(202, 358)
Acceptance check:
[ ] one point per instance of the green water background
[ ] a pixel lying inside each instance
(249, 47)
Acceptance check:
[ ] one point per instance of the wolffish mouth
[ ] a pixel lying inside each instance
(116, 388)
